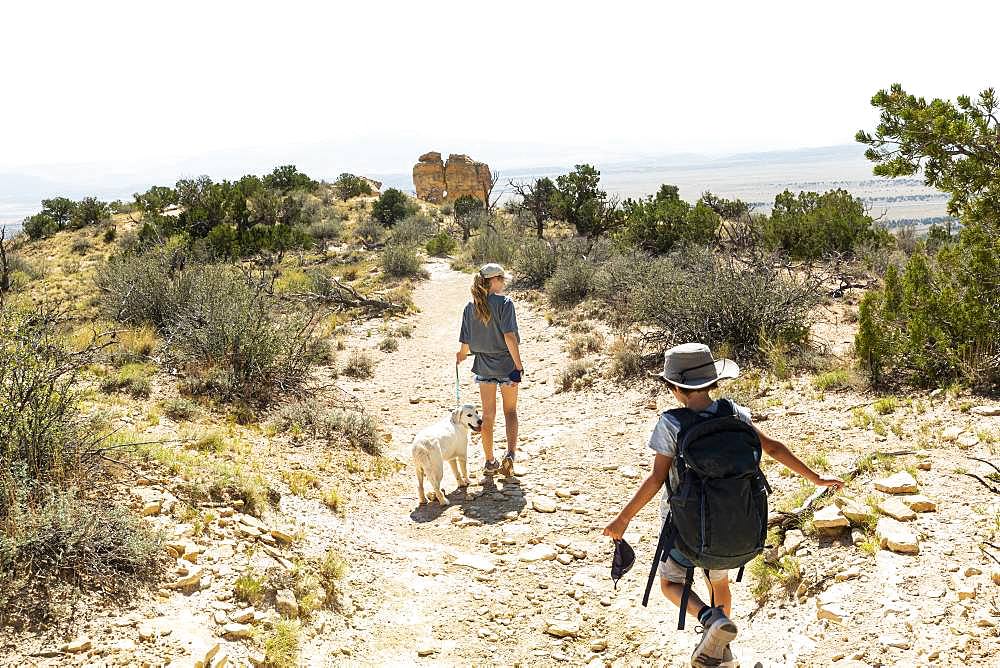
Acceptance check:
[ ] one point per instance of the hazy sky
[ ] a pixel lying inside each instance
(148, 81)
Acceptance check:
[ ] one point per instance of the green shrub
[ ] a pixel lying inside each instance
(836, 379)
(388, 345)
(65, 543)
(132, 379)
(369, 231)
(412, 230)
(110, 234)
(329, 229)
(657, 224)
(935, 322)
(179, 409)
(360, 364)
(356, 428)
(401, 261)
(281, 644)
(236, 339)
(575, 376)
(441, 244)
(348, 185)
(582, 344)
(626, 360)
(720, 300)
(570, 283)
(81, 245)
(491, 246)
(535, 260)
(813, 225)
(391, 207)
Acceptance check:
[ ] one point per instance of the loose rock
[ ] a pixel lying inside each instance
(830, 519)
(896, 509)
(894, 536)
(540, 552)
(900, 482)
(543, 504)
(562, 628)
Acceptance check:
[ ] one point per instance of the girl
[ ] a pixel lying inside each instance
(489, 331)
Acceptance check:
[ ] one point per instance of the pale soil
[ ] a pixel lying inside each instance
(406, 595)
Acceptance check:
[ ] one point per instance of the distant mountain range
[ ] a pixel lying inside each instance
(754, 177)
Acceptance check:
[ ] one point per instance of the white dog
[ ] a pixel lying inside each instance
(445, 440)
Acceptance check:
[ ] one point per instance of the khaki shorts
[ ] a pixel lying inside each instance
(671, 571)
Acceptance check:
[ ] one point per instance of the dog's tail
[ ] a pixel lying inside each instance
(421, 458)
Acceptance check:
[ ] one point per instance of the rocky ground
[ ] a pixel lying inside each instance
(516, 571)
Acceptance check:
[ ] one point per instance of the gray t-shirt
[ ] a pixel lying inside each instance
(663, 441)
(486, 340)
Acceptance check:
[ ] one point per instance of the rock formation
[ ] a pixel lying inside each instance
(436, 181)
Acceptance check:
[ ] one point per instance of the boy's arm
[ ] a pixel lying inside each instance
(463, 352)
(780, 452)
(647, 490)
(510, 338)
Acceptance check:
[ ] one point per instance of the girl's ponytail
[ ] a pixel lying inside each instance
(480, 292)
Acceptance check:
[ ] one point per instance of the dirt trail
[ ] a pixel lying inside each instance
(460, 585)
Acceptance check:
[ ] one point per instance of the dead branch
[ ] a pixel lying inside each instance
(785, 519)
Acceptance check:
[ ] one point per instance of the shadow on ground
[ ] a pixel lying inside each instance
(491, 505)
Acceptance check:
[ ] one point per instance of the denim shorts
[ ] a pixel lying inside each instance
(492, 381)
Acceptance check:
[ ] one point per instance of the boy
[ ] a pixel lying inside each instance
(691, 372)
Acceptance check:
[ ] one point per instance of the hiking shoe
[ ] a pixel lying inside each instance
(507, 465)
(728, 660)
(719, 632)
(491, 468)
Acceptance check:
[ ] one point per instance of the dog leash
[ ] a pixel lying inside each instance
(458, 391)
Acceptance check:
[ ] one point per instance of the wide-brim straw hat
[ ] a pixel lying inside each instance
(692, 366)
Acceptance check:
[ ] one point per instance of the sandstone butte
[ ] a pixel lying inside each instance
(437, 181)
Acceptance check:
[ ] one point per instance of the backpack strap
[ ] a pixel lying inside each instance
(685, 595)
(663, 546)
(739, 574)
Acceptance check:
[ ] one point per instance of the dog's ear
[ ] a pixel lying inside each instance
(456, 415)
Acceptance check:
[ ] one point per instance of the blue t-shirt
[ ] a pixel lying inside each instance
(485, 339)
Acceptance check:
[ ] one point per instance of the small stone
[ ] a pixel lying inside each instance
(830, 519)
(606, 602)
(282, 536)
(564, 493)
(793, 539)
(894, 640)
(629, 471)
(972, 570)
(249, 532)
(896, 509)
(985, 410)
(233, 630)
(146, 631)
(284, 601)
(152, 508)
(852, 510)
(426, 648)
(896, 537)
(900, 482)
(221, 659)
(220, 618)
(925, 465)
(123, 645)
(564, 559)
(832, 611)
(995, 575)
(965, 588)
(984, 619)
(848, 574)
(189, 580)
(951, 433)
(81, 644)
(598, 645)
(244, 616)
(476, 562)
(858, 536)
(919, 503)
(562, 628)
(543, 504)
(540, 552)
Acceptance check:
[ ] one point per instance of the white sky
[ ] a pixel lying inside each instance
(148, 81)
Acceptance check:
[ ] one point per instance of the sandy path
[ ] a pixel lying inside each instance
(451, 586)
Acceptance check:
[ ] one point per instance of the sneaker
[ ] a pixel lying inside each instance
(491, 468)
(728, 660)
(719, 632)
(507, 465)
